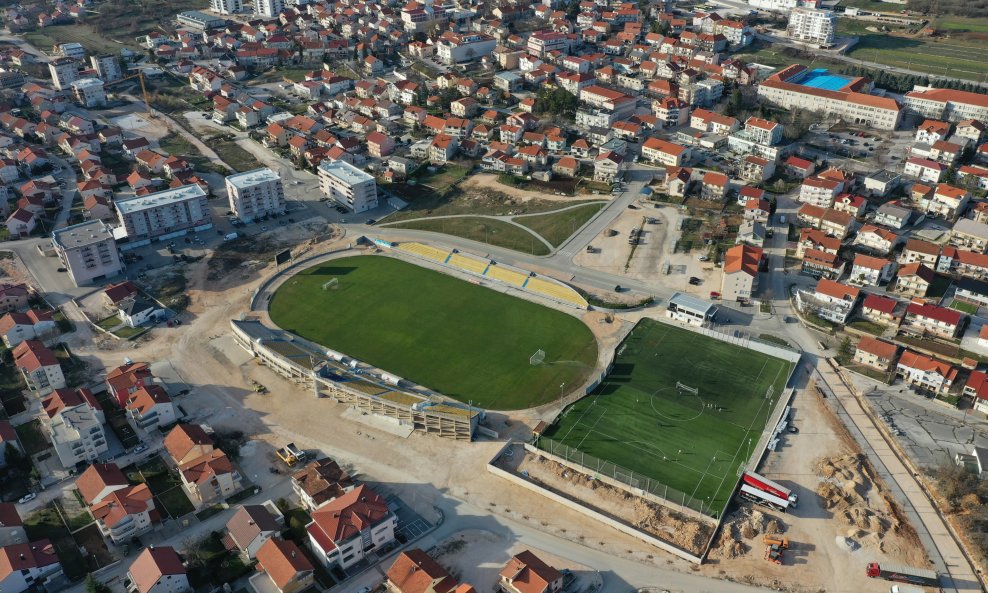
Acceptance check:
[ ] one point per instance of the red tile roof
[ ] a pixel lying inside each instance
(348, 515)
(879, 348)
(529, 574)
(283, 560)
(154, 563)
(414, 571)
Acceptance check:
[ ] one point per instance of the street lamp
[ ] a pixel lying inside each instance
(561, 386)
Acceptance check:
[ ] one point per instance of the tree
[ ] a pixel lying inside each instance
(845, 352)
(95, 586)
(735, 103)
(556, 101)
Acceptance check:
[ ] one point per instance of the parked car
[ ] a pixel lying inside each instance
(27, 498)
(141, 448)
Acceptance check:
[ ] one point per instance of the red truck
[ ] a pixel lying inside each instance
(903, 574)
(762, 483)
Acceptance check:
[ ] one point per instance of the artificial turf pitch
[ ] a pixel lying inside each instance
(460, 339)
(694, 444)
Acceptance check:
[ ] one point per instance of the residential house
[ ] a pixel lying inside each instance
(284, 565)
(527, 573)
(150, 407)
(158, 569)
(831, 300)
(925, 373)
(13, 297)
(123, 381)
(876, 239)
(914, 280)
(821, 264)
(870, 271)
(320, 482)
(210, 478)
(970, 235)
(343, 531)
(971, 291)
(28, 566)
(816, 240)
(125, 514)
(251, 526)
(880, 309)
(713, 186)
(38, 365)
(916, 251)
(876, 354)
(414, 571)
(33, 325)
(741, 264)
(893, 216)
(932, 320)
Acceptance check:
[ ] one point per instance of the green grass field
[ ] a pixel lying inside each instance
(483, 230)
(958, 56)
(693, 444)
(556, 227)
(460, 339)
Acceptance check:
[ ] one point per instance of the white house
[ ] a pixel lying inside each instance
(345, 530)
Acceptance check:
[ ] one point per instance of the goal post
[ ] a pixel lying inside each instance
(683, 387)
(537, 358)
(331, 284)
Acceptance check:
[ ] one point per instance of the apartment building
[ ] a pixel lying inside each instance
(665, 153)
(319, 482)
(165, 214)
(227, 6)
(925, 373)
(789, 89)
(87, 251)
(347, 185)
(932, 320)
(970, 235)
(64, 71)
(107, 67)
(256, 193)
(740, 280)
(269, 8)
(74, 422)
(947, 104)
(89, 92)
(813, 26)
(541, 43)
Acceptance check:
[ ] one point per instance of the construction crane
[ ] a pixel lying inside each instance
(144, 90)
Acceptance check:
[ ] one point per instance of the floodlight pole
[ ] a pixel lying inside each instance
(561, 386)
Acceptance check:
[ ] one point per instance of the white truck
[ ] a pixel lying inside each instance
(230, 237)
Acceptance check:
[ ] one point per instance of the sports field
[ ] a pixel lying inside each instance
(641, 420)
(460, 339)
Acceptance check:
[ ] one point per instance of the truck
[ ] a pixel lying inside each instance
(291, 454)
(923, 577)
(764, 484)
(764, 498)
(905, 589)
(230, 236)
(776, 540)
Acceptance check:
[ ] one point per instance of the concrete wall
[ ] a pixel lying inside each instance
(573, 505)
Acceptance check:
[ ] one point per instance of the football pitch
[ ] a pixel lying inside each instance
(455, 337)
(644, 417)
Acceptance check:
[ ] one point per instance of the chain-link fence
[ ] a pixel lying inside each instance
(598, 467)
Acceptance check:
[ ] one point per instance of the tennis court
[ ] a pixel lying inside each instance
(678, 415)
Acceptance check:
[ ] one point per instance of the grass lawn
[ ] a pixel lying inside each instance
(463, 340)
(482, 230)
(964, 307)
(32, 436)
(691, 443)
(46, 523)
(176, 145)
(957, 57)
(77, 33)
(233, 154)
(127, 333)
(958, 23)
(166, 487)
(559, 226)
(109, 323)
(870, 327)
(774, 340)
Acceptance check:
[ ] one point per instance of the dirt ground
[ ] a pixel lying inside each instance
(842, 522)
(488, 181)
(12, 271)
(689, 534)
(476, 557)
(653, 254)
(139, 125)
(203, 352)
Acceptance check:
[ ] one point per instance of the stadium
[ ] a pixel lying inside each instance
(466, 340)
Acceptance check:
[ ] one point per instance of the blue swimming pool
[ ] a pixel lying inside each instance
(822, 79)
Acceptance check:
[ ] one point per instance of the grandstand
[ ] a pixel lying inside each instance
(548, 288)
(426, 251)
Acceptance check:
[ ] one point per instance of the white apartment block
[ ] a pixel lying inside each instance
(775, 5)
(75, 427)
(63, 73)
(226, 6)
(347, 185)
(812, 26)
(107, 67)
(164, 214)
(255, 193)
(269, 8)
(89, 92)
(88, 252)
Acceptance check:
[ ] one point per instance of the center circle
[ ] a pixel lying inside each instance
(682, 394)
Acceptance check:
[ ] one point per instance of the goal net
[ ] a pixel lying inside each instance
(331, 284)
(537, 358)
